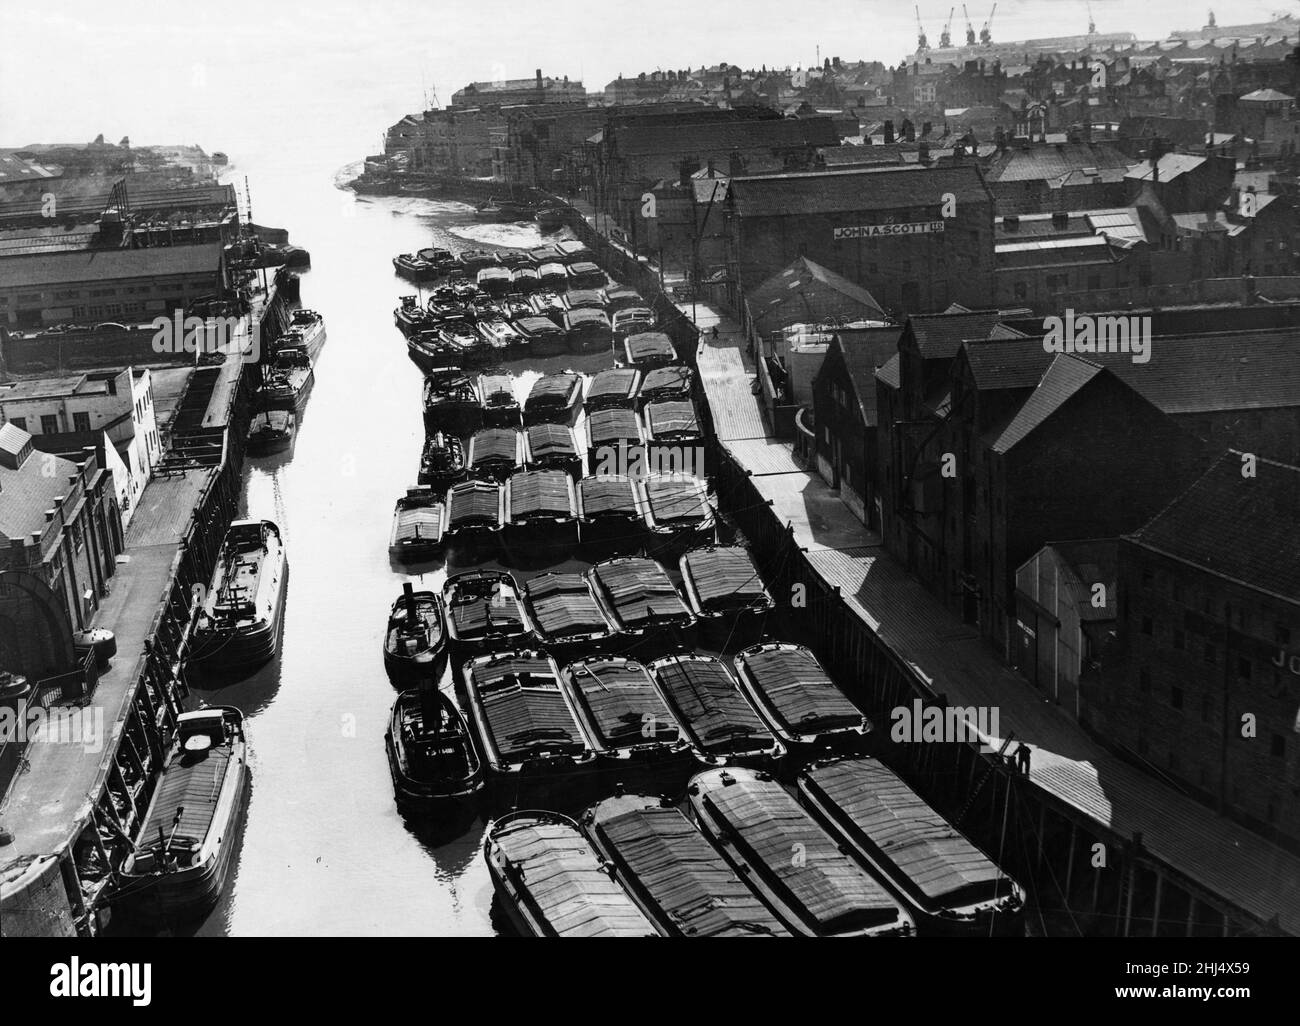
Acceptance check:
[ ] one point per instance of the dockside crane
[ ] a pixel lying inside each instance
(921, 42)
(970, 29)
(945, 37)
(986, 35)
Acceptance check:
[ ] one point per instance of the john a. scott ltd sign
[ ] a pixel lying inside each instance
(880, 231)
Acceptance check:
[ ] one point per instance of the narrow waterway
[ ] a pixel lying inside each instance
(326, 850)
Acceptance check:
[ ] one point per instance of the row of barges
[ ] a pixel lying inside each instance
(433, 262)
(851, 851)
(288, 376)
(541, 515)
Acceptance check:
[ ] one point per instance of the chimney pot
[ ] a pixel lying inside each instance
(49, 518)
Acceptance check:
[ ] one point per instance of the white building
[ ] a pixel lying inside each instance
(67, 413)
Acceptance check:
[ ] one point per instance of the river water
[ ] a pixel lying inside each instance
(325, 849)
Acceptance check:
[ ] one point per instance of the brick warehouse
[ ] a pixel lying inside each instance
(918, 238)
(1209, 631)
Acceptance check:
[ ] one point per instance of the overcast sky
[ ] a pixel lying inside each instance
(333, 74)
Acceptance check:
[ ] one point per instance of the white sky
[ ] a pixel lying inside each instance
(334, 74)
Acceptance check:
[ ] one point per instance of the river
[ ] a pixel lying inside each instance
(325, 850)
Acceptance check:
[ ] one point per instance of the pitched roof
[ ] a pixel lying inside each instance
(1267, 96)
(806, 291)
(1237, 527)
(889, 374)
(1171, 165)
(1063, 380)
(688, 137)
(939, 336)
(856, 188)
(1044, 162)
(1185, 374)
(27, 492)
(864, 352)
(109, 264)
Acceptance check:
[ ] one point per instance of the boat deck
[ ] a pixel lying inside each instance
(192, 783)
(711, 703)
(622, 702)
(684, 876)
(672, 419)
(924, 847)
(561, 605)
(678, 501)
(419, 522)
(640, 592)
(725, 578)
(525, 709)
(799, 690)
(663, 383)
(834, 892)
(557, 869)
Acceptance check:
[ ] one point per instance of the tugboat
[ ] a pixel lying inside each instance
(431, 753)
(189, 834)
(417, 526)
(450, 403)
(239, 622)
(415, 644)
(442, 462)
(288, 379)
(550, 219)
(497, 397)
(462, 339)
(271, 431)
(409, 318)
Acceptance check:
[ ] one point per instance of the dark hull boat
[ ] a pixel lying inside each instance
(484, 612)
(799, 700)
(756, 824)
(417, 526)
(727, 594)
(674, 439)
(672, 871)
(288, 380)
(191, 830)
(551, 447)
(614, 388)
(450, 404)
(951, 886)
(542, 336)
(638, 597)
(666, 383)
(239, 622)
(496, 395)
(429, 351)
(613, 442)
(529, 734)
(646, 350)
(431, 753)
(636, 737)
(442, 462)
(412, 268)
(504, 211)
(495, 453)
(271, 431)
(565, 614)
(611, 516)
(678, 513)
(472, 524)
(553, 398)
(415, 644)
(540, 525)
(550, 219)
(714, 714)
(550, 883)
(410, 319)
(307, 328)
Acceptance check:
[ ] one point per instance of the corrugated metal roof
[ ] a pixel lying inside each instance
(109, 265)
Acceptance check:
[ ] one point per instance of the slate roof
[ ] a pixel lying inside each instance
(855, 189)
(1236, 527)
(26, 493)
(939, 336)
(1064, 378)
(803, 283)
(863, 353)
(109, 264)
(1044, 162)
(1171, 165)
(888, 373)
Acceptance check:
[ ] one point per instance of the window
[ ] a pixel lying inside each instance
(49, 424)
(19, 422)
(1176, 697)
(81, 421)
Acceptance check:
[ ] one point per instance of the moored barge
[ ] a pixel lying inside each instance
(756, 824)
(638, 597)
(615, 387)
(726, 593)
(472, 526)
(551, 447)
(611, 516)
(495, 453)
(483, 612)
(550, 882)
(678, 512)
(415, 643)
(239, 621)
(450, 403)
(553, 398)
(564, 614)
(442, 461)
(951, 886)
(680, 881)
(713, 712)
(417, 525)
(540, 523)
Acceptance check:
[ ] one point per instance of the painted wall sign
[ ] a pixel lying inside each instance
(877, 231)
